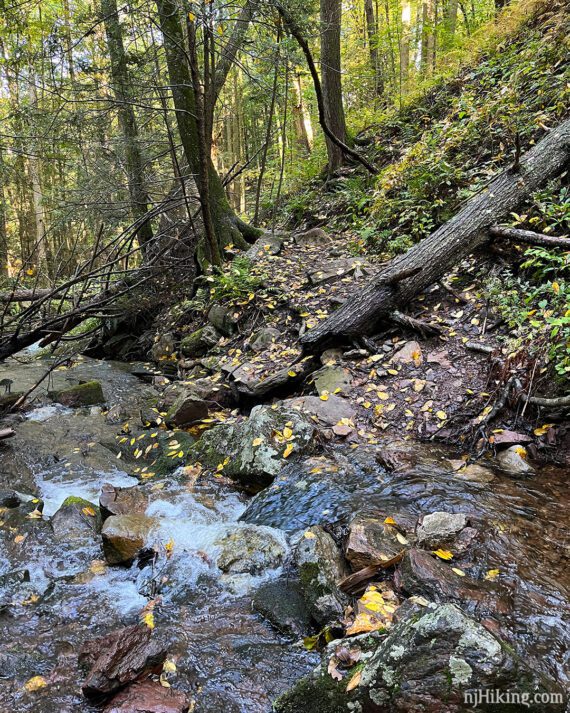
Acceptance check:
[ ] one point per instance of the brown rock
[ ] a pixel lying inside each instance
(121, 501)
(370, 541)
(147, 697)
(509, 438)
(312, 237)
(120, 658)
(410, 353)
(124, 536)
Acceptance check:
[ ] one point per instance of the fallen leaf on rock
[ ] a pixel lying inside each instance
(354, 681)
(390, 521)
(288, 450)
(257, 442)
(492, 574)
(541, 430)
(443, 554)
(422, 601)
(333, 670)
(309, 535)
(89, 511)
(459, 572)
(35, 684)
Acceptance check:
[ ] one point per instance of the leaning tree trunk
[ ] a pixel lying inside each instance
(425, 263)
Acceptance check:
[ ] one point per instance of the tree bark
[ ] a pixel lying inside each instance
(138, 192)
(372, 34)
(425, 263)
(331, 13)
(530, 238)
(228, 227)
(301, 118)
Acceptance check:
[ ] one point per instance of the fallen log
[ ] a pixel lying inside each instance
(430, 259)
(27, 295)
(529, 237)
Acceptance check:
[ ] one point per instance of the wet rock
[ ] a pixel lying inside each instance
(514, 461)
(254, 465)
(11, 585)
(120, 658)
(163, 348)
(88, 394)
(438, 528)
(313, 238)
(328, 413)
(370, 540)
(8, 400)
(250, 550)
(11, 499)
(222, 319)
(410, 353)
(124, 536)
(509, 438)
(148, 697)
(402, 456)
(422, 574)
(121, 501)
(199, 342)
(321, 566)
(475, 473)
(428, 662)
(187, 408)
(332, 378)
(264, 338)
(77, 520)
(281, 602)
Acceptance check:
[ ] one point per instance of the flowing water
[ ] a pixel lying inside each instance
(228, 658)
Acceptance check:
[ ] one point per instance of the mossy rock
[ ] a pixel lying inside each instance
(199, 342)
(89, 393)
(76, 519)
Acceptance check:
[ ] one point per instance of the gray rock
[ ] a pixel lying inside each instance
(199, 342)
(321, 566)
(513, 461)
(264, 338)
(437, 528)
(428, 662)
(410, 353)
(222, 319)
(163, 348)
(77, 520)
(370, 540)
(254, 465)
(188, 408)
(268, 244)
(330, 378)
(328, 413)
(313, 238)
(122, 501)
(124, 536)
(332, 270)
(331, 356)
(250, 550)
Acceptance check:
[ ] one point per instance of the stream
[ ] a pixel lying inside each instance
(228, 658)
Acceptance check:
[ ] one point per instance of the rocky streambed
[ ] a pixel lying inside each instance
(133, 579)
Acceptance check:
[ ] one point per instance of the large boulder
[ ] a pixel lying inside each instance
(222, 319)
(124, 536)
(199, 342)
(121, 501)
(89, 393)
(188, 408)
(328, 412)
(254, 450)
(250, 550)
(433, 659)
(321, 567)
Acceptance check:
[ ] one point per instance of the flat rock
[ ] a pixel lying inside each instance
(251, 550)
(330, 378)
(121, 501)
(88, 394)
(124, 536)
(437, 528)
(328, 413)
(148, 697)
(120, 658)
(514, 461)
(321, 566)
(410, 353)
(332, 270)
(475, 473)
(509, 438)
(268, 244)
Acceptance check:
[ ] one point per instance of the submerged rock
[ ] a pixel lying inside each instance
(514, 461)
(148, 697)
(321, 567)
(429, 661)
(120, 658)
(88, 394)
(250, 550)
(124, 536)
(252, 450)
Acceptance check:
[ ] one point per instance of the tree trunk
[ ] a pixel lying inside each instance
(127, 121)
(405, 46)
(301, 118)
(3, 227)
(425, 263)
(372, 33)
(228, 227)
(428, 36)
(331, 13)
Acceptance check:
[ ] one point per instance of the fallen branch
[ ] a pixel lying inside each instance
(416, 325)
(554, 403)
(27, 295)
(437, 254)
(7, 433)
(529, 237)
(356, 582)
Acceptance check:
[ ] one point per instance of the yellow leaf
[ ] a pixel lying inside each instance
(148, 619)
(459, 572)
(401, 539)
(309, 535)
(492, 574)
(287, 433)
(89, 511)
(168, 548)
(191, 16)
(169, 666)
(354, 681)
(443, 554)
(292, 373)
(441, 415)
(390, 521)
(35, 683)
(521, 451)
(541, 430)
(287, 452)
(324, 396)
(555, 287)
(257, 442)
